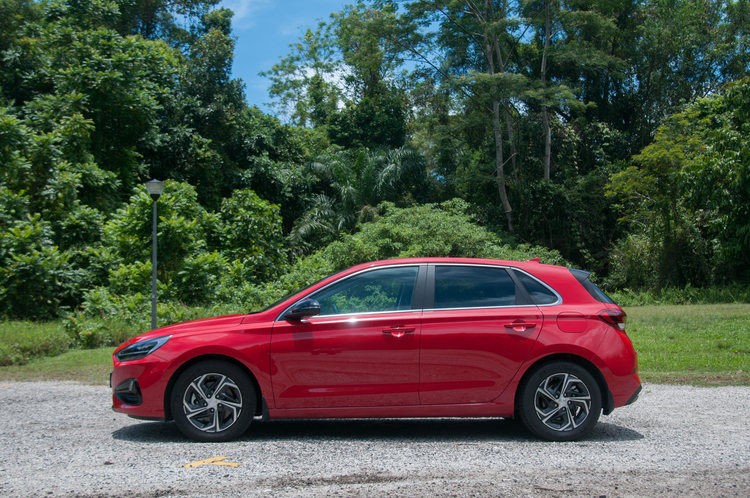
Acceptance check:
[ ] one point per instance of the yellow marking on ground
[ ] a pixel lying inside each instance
(211, 461)
(4, 385)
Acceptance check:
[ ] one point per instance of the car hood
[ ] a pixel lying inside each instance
(192, 327)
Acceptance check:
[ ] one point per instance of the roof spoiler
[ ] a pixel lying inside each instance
(535, 260)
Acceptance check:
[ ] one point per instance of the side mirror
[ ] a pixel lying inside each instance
(303, 309)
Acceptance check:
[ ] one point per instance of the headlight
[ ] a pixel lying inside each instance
(141, 349)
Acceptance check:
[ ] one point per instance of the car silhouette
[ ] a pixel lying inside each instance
(423, 337)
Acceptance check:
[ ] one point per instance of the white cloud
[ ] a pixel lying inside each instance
(244, 10)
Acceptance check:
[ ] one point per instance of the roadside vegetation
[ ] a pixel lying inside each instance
(611, 138)
(705, 345)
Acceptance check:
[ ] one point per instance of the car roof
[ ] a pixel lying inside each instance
(532, 265)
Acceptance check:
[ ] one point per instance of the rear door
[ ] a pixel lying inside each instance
(477, 329)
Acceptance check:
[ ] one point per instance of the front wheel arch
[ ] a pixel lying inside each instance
(192, 361)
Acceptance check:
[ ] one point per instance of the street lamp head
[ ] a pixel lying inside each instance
(155, 188)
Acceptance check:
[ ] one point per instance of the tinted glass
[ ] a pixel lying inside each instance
(388, 289)
(473, 287)
(596, 292)
(539, 293)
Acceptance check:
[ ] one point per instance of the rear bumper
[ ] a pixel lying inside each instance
(634, 397)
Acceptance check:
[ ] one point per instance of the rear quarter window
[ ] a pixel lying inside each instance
(539, 293)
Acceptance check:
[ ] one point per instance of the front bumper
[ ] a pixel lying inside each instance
(139, 387)
(129, 392)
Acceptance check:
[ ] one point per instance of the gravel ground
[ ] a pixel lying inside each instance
(62, 439)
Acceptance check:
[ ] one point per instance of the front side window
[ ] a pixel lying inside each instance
(473, 287)
(387, 289)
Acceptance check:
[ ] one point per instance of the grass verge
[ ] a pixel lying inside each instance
(705, 345)
(694, 344)
(87, 366)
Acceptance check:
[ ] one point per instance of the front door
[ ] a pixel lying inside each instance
(362, 350)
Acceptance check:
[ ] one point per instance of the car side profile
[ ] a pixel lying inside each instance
(425, 337)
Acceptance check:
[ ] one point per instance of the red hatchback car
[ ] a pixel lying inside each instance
(428, 337)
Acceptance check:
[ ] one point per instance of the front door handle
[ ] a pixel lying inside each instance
(520, 325)
(398, 330)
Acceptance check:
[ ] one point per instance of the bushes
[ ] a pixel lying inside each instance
(736, 293)
(22, 341)
(430, 230)
(200, 253)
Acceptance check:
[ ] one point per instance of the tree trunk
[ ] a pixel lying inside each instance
(545, 116)
(489, 52)
(500, 163)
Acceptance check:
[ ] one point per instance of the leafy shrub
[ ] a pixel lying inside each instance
(430, 230)
(199, 276)
(35, 277)
(251, 234)
(736, 293)
(22, 341)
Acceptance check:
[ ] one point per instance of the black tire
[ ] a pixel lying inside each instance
(213, 401)
(559, 401)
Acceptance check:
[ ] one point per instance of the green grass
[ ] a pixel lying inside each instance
(23, 341)
(691, 344)
(87, 366)
(695, 344)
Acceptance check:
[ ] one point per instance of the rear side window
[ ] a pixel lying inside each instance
(473, 287)
(538, 292)
(596, 292)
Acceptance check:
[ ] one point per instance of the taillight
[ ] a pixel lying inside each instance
(614, 317)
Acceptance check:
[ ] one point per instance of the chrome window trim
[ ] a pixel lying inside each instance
(364, 313)
(505, 267)
(483, 307)
(308, 296)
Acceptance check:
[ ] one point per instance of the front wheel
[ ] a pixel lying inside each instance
(560, 401)
(213, 401)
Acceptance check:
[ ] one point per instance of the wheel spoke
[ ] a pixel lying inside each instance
(198, 413)
(216, 390)
(198, 390)
(559, 420)
(212, 402)
(562, 402)
(545, 393)
(236, 406)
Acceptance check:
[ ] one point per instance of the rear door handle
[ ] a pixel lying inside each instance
(398, 330)
(520, 326)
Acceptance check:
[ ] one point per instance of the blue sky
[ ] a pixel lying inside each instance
(264, 30)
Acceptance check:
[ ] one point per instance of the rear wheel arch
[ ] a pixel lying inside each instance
(608, 403)
(198, 359)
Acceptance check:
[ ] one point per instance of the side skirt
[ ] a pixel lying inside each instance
(414, 411)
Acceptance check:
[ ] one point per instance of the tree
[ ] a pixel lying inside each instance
(687, 194)
(352, 184)
(342, 78)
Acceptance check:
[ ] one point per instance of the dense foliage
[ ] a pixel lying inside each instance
(615, 134)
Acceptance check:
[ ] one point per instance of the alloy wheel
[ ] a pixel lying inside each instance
(562, 402)
(212, 402)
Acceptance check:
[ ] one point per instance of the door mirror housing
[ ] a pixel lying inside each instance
(303, 309)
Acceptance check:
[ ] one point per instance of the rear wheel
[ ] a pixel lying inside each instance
(213, 401)
(560, 401)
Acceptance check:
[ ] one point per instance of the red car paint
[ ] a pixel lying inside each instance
(414, 363)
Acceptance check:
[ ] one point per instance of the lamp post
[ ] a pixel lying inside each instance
(155, 188)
